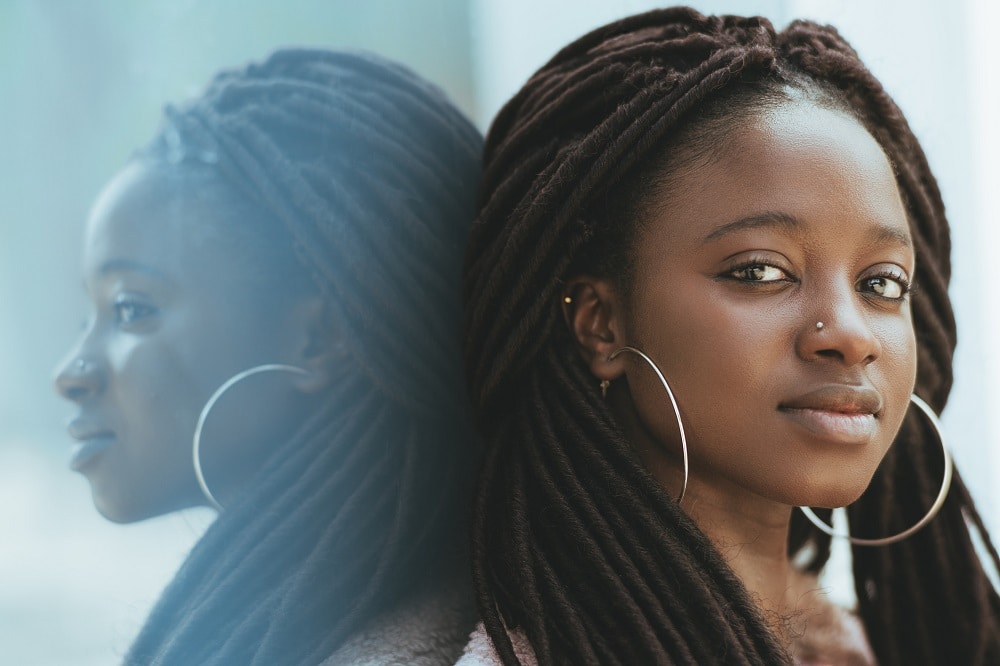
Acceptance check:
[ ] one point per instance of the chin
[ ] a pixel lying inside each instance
(121, 511)
(114, 513)
(830, 494)
(125, 499)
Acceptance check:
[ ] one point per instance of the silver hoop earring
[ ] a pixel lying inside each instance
(203, 416)
(938, 503)
(673, 403)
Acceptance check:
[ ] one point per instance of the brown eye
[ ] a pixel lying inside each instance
(128, 311)
(759, 273)
(884, 286)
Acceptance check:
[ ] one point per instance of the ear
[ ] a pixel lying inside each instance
(594, 316)
(317, 345)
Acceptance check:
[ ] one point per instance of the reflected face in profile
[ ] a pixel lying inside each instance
(798, 220)
(176, 309)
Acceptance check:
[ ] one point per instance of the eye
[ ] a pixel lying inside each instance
(129, 310)
(891, 286)
(758, 272)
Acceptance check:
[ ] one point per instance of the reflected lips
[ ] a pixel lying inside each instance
(92, 444)
(843, 413)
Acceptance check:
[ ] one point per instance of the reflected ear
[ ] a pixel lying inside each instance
(318, 345)
(593, 314)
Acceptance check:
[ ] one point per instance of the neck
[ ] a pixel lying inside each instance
(752, 536)
(749, 531)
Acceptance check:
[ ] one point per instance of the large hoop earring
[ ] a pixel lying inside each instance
(203, 416)
(938, 503)
(673, 403)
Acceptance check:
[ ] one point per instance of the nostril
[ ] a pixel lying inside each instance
(79, 379)
(74, 392)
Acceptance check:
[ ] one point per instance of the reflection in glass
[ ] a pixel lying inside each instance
(307, 213)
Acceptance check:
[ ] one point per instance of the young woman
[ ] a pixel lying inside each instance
(709, 269)
(275, 322)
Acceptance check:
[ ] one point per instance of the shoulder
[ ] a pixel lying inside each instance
(429, 629)
(479, 650)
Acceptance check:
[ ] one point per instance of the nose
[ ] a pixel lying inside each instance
(79, 377)
(841, 332)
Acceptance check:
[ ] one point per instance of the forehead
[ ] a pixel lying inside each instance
(814, 142)
(168, 217)
(156, 195)
(796, 159)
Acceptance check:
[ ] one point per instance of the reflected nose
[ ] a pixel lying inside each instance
(78, 378)
(846, 336)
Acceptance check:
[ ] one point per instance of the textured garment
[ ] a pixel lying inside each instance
(429, 629)
(836, 638)
(479, 651)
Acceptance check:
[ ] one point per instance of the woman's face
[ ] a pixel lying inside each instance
(798, 220)
(174, 313)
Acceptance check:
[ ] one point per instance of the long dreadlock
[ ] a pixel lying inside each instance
(574, 542)
(365, 176)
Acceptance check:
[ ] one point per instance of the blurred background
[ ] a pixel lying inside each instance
(83, 85)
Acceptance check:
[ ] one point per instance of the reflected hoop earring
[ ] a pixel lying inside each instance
(938, 502)
(673, 404)
(203, 416)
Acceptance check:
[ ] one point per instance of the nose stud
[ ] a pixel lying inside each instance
(819, 326)
(80, 364)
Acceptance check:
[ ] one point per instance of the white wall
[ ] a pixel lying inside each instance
(983, 172)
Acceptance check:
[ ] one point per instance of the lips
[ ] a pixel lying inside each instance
(836, 412)
(93, 441)
(841, 399)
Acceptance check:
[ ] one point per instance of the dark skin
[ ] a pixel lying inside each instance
(797, 220)
(176, 309)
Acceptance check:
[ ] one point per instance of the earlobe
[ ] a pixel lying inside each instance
(593, 316)
(319, 347)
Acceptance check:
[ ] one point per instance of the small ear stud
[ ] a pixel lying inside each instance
(567, 299)
(819, 325)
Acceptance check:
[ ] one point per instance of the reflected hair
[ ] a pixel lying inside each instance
(362, 177)
(574, 542)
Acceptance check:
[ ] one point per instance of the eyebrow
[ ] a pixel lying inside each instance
(886, 234)
(127, 266)
(785, 222)
(782, 221)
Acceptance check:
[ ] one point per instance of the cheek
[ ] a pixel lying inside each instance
(897, 370)
(712, 346)
(907, 360)
(152, 407)
(897, 363)
(721, 359)
(157, 396)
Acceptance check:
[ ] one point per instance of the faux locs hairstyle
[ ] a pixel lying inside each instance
(361, 178)
(574, 543)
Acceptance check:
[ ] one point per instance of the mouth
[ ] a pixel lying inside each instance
(839, 413)
(91, 443)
